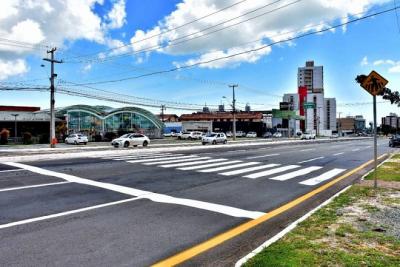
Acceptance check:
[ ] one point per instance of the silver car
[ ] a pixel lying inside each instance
(134, 139)
(214, 139)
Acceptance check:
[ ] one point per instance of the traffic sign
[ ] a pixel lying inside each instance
(374, 83)
(307, 105)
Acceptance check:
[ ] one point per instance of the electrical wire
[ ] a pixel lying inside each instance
(166, 31)
(246, 51)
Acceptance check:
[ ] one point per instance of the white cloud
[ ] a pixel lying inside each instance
(364, 61)
(87, 67)
(117, 16)
(12, 67)
(54, 23)
(275, 26)
(394, 65)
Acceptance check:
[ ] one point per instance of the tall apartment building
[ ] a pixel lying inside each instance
(312, 77)
(322, 118)
(392, 120)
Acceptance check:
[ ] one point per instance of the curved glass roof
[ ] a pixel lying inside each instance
(104, 111)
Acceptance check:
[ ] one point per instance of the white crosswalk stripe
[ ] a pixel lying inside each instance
(270, 172)
(251, 169)
(198, 161)
(137, 155)
(203, 166)
(168, 161)
(217, 169)
(145, 157)
(323, 177)
(160, 159)
(294, 174)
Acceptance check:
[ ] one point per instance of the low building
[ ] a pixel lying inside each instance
(222, 121)
(390, 124)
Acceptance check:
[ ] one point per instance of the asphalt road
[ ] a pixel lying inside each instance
(135, 210)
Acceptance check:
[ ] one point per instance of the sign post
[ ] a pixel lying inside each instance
(374, 84)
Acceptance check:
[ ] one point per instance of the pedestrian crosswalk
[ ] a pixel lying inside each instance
(227, 167)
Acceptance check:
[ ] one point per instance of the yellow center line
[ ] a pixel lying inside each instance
(219, 239)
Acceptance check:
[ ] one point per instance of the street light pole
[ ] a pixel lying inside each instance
(15, 127)
(234, 110)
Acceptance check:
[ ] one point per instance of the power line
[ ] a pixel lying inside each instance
(246, 51)
(397, 15)
(167, 30)
(171, 42)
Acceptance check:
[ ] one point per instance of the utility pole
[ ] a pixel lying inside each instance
(340, 125)
(375, 145)
(15, 127)
(234, 110)
(163, 108)
(52, 101)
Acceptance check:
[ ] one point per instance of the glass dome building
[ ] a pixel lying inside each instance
(100, 120)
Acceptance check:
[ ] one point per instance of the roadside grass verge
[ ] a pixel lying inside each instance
(389, 171)
(361, 227)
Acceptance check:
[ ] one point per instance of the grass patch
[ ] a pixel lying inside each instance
(336, 236)
(389, 171)
(397, 156)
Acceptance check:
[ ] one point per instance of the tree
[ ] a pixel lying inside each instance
(387, 94)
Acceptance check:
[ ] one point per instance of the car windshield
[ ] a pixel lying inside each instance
(125, 136)
(212, 135)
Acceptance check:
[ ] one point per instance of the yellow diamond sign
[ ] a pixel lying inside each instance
(374, 83)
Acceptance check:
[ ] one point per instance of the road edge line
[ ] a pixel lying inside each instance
(221, 238)
(288, 229)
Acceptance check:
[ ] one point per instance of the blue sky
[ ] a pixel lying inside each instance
(262, 77)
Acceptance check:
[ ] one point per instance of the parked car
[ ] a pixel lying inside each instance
(176, 134)
(167, 134)
(214, 139)
(132, 139)
(267, 135)
(277, 135)
(335, 135)
(307, 136)
(251, 134)
(191, 135)
(76, 139)
(229, 134)
(240, 134)
(394, 140)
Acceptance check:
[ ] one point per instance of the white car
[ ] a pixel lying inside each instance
(133, 139)
(214, 139)
(76, 139)
(307, 136)
(277, 134)
(167, 134)
(191, 136)
(240, 134)
(251, 134)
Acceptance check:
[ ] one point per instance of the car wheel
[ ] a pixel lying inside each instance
(214, 142)
(204, 143)
(145, 143)
(126, 144)
(75, 142)
(116, 145)
(225, 141)
(85, 143)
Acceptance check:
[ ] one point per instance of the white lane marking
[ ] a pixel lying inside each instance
(323, 177)
(51, 216)
(196, 162)
(308, 149)
(282, 233)
(309, 160)
(176, 160)
(208, 165)
(31, 186)
(241, 150)
(368, 146)
(294, 174)
(18, 170)
(141, 194)
(337, 154)
(357, 149)
(269, 172)
(235, 166)
(263, 156)
(158, 159)
(249, 169)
